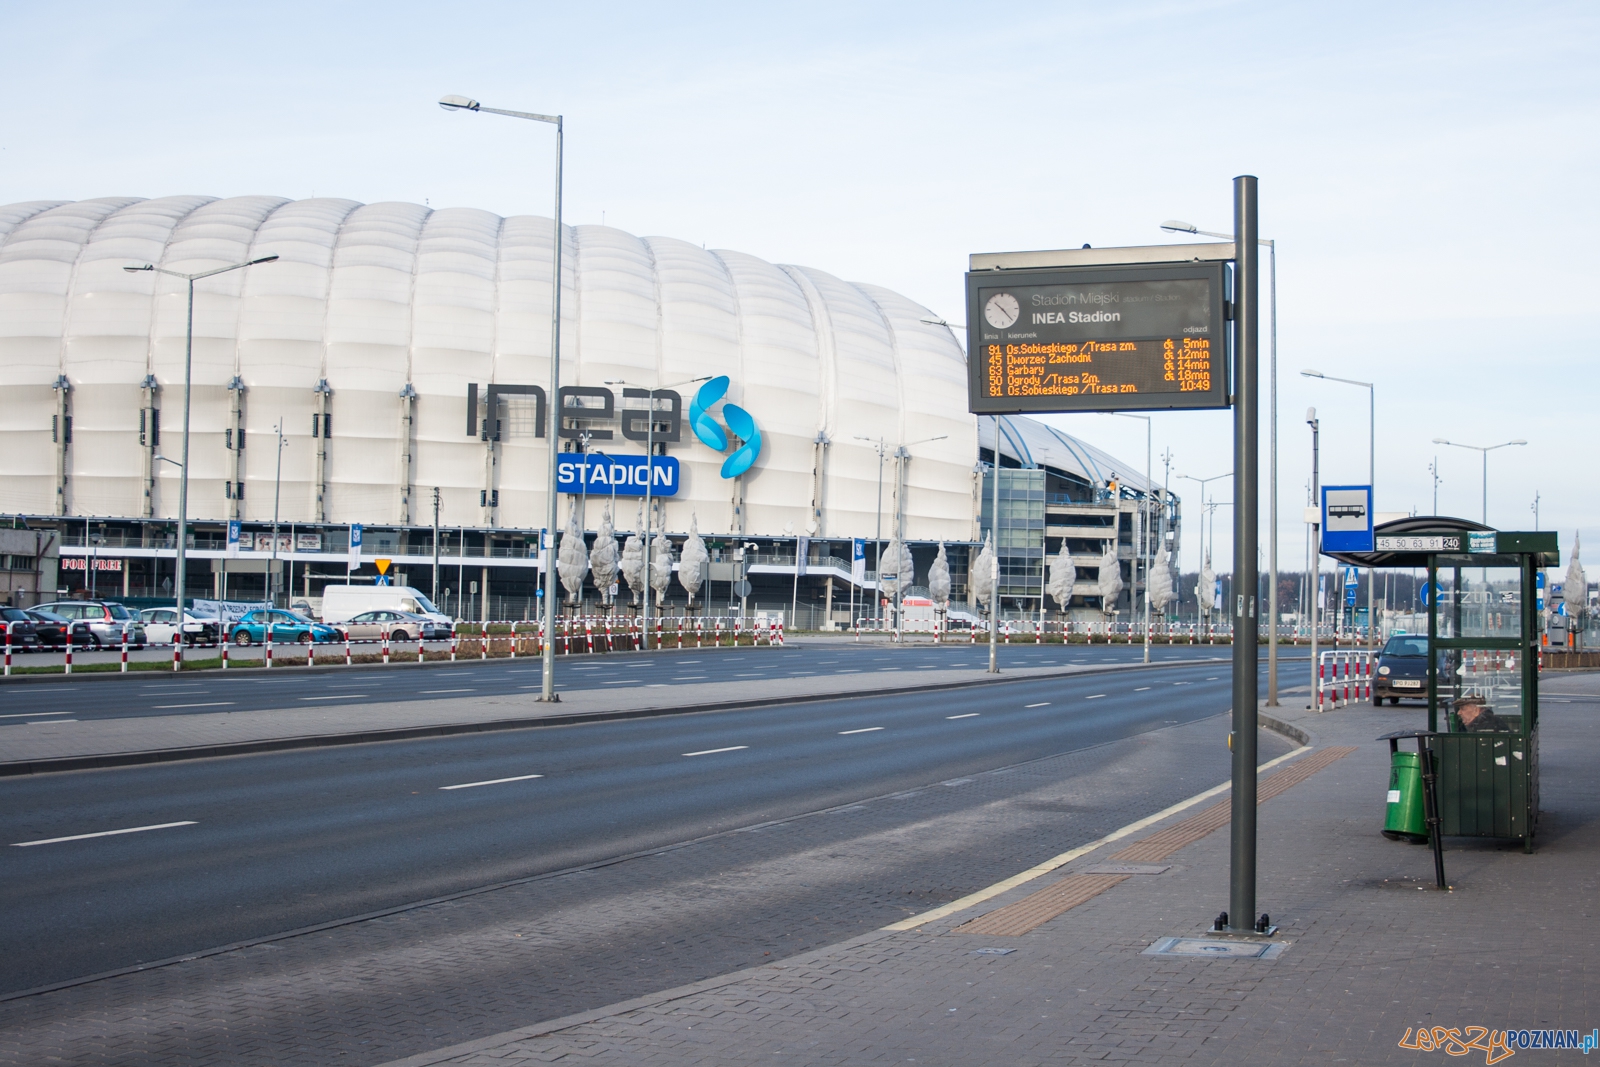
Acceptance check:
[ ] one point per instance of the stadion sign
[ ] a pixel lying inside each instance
(652, 417)
(595, 472)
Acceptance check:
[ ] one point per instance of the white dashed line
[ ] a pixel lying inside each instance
(102, 833)
(492, 781)
(714, 751)
(33, 714)
(207, 704)
(1041, 704)
(863, 730)
(1142, 689)
(1094, 696)
(430, 691)
(968, 715)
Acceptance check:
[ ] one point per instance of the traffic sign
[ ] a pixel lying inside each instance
(1347, 518)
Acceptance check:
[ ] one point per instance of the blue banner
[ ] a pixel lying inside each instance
(623, 475)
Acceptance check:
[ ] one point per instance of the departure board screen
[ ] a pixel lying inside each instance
(1097, 339)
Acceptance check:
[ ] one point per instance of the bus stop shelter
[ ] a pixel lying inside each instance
(1483, 665)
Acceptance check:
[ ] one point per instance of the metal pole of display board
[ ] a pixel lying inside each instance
(1246, 654)
(1314, 571)
(994, 564)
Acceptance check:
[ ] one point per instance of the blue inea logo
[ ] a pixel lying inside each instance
(740, 423)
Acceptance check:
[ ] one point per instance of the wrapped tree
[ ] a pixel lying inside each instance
(572, 561)
(660, 567)
(632, 562)
(603, 558)
(693, 560)
(1575, 587)
(1160, 584)
(1206, 590)
(896, 560)
(939, 580)
(1063, 575)
(1110, 584)
(981, 575)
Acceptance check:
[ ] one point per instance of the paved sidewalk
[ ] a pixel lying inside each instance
(174, 733)
(1055, 970)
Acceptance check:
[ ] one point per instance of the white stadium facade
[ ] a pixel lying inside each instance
(404, 352)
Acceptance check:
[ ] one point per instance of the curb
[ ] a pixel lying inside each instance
(57, 764)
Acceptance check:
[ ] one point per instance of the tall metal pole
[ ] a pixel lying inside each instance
(548, 690)
(182, 576)
(877, 542)
(1272, 494)
(1246, 654)
(1372, 483)
(994, 566)
(1314, 570)
(435, 594)
(277, 493)
(649, 484)
(1145, 537)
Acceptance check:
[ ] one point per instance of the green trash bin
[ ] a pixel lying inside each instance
(1405, 820)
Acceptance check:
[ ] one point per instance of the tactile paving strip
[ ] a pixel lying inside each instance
(1067, 893)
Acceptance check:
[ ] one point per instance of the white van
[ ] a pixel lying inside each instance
(341, 602)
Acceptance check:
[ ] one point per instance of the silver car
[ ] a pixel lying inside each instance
(400, 625)
(108, 621)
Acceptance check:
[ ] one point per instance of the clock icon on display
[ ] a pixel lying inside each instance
(1002, 310)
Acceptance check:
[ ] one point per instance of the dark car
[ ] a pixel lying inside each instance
(1402, 669)
(53, 629)
(21, 631)
(109, 622)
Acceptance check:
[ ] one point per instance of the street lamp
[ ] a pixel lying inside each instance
(181, 577)
(1179, 226)
(1372, 483)
(649, 484)
(1203, 506)
(1144, 531)
(462, 103)
(880, 444)
(1485, 449)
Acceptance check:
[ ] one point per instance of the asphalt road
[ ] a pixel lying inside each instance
(29, 701)
(228, 849)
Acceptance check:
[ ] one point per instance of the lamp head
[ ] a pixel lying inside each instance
(1178, 226)
(1440, 441)
(1519, 441)
(1311, 416)
(458, 103)
(1312, 374)
(147, 266)
(263, 259)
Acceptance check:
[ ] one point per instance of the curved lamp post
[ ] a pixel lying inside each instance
(548, 690)
(180, 578)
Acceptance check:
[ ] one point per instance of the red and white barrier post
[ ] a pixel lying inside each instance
(124, 669)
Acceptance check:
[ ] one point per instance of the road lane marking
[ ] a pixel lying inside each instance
(1141, 689)
(968, 715)
(1041, 704)
(863, 730)
(36, 714)
(491, 781)
(714, 751)
(337, 696)
(449, 691)
(1095, 696)
(47, 722)
(1212, 678)
(207, 704)
(102, 833)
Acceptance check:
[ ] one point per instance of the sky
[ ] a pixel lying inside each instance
(1426, 169)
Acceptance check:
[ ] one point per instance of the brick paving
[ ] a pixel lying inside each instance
(476, 966)
(1372, 950)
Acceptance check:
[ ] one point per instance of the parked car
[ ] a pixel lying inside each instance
(21, 631)
(53, 630)
(1402, 669)
(341, 602)
(161, 623)
(107, 620)
(400, 626)
(251, 629)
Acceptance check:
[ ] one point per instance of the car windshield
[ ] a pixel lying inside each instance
(289, 616)
(47, 616)
(426, 605)
(14, 614)
(1406, 646)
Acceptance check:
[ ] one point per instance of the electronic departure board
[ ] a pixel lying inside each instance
(1097, 339)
